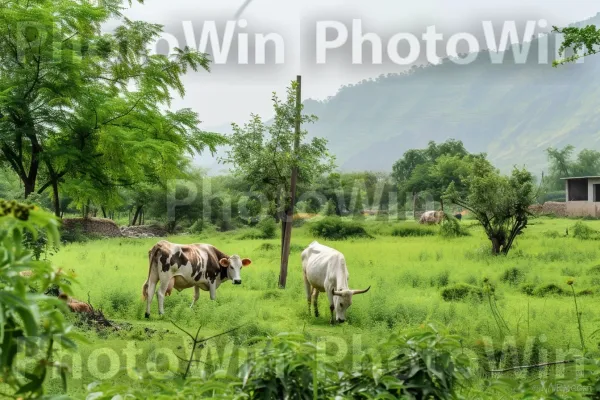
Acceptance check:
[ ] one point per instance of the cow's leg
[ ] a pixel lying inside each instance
(151, 289)
(309, 289)
(331, 306)
(164, 285)
(196, 295)
(315, 300)
(213, 290)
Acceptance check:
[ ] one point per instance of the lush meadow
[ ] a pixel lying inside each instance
(415, 280)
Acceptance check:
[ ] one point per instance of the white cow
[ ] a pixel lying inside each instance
(324, 270)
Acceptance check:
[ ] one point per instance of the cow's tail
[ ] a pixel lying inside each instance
(151, 259)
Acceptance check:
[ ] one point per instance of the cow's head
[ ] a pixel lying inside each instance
(342, 299)
(234, 265)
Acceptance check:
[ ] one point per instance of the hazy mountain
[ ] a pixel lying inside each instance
(513, 112)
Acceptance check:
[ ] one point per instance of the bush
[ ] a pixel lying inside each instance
(462, 291)
(512, 276)
(334, 228)
(595, 270)
(528, 289)
(413, 230)
(584, 232)
(548, 290)
(452, 228)
(268, 228)
(551, 234)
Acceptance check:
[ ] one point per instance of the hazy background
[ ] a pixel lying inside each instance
(231, 92)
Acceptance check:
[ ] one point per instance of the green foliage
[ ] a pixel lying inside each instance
(330, 208)
(417, 364)
(562, 165)
(500, 203)
(268, 228)
(575, 38)
(26, 314)
(513, 276)
(452, 228)
(432, 169)
(335, 228)
(84, 112)
(584, 232)
(263, 154)
(413, 230)
(548, 290)
(462, 291)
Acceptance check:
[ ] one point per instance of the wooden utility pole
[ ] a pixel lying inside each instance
(289, 212)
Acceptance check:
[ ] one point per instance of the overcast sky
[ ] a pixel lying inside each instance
(231, 92)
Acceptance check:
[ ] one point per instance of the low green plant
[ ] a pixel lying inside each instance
(452, 228)
(462, 291)
(584, 232)
(413, 230)
(335, 228)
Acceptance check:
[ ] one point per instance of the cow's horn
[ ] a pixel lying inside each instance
(336, 293)
(360, 291)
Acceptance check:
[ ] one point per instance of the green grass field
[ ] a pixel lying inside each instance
(406, 274)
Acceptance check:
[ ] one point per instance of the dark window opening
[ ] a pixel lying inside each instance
(597, 192)
(578, 190)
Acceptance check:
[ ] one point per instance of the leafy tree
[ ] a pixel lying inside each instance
(263, 154)
(79, 104)
(431, 169)
(562, 165)
(500, 203)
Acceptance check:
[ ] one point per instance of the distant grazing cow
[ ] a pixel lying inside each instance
(324, 270)
(201, 266)
(431, 217)
(75, 305)
(26, 274)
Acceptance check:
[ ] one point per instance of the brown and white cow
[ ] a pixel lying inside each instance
(179, 266)
(324, 270)
(431, 217)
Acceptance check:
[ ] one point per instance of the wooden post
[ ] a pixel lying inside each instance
(289, 214)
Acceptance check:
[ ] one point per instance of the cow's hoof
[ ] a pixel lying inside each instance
(147, 315)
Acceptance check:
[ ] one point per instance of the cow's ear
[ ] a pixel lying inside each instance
(246, 262)
(224, 262)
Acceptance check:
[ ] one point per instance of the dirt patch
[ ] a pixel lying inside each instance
(96, 226)
(143, 231)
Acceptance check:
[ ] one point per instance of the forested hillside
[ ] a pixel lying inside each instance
(512, 112)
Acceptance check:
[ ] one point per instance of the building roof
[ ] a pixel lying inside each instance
(581, 177)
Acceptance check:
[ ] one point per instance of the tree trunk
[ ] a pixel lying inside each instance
(136, 216)
(29, 185)
(496, 245)
(442, 204)
(103, 211)
(414, 206)
(55, 197)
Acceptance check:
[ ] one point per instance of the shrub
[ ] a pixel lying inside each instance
(595, 270)
(551, 234)
(452, 228)
(461, 291)
(413, 230)
(512, 276)
(548, 290)
(528, 289)
(334, 228)
(584, 232)
(268, 228)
